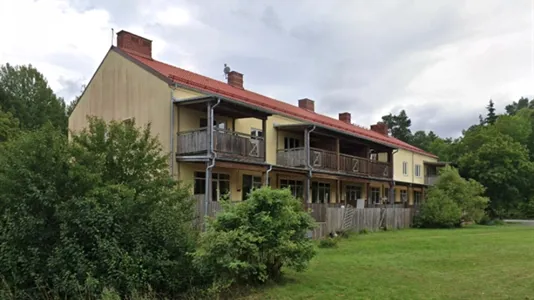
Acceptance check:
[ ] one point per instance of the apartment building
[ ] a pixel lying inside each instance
(224, 139)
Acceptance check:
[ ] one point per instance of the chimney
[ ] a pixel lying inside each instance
(235, 79)
(307, 104)
(381, 128)
(134, 43)
(345, 117)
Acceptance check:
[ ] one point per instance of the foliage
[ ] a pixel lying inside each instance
(399, 125)
(527, 209)
(99, 212)
(512, 109)
(491, 117)
(252, 240)
(328, 243)
(467, 194)
(30, 99)
(500, 164)
(438, 211)
(9, 126)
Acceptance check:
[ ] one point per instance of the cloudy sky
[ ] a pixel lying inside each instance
(440, 60)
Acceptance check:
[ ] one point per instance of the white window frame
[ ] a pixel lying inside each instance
(417, 170)
(405, 192)
(375, 195)
(256, 133)
(405, 168)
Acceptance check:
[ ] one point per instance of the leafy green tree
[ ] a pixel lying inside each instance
(252, 240)
(491, 117)
(100, 211)
(498, 162)
(30, 99)
(399, 125)
(523, 102)
(438, 211)
(517, 126)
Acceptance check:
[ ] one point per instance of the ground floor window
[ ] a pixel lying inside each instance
(375, 195)
(296, 187)
(220, 185)
(386, 194)
(250, 182)
(320, 192)
(417, 197)
(353, 192)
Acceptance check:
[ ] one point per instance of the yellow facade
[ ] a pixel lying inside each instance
(411, 160)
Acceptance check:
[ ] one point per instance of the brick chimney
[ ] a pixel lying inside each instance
(381, 128)
(307, 104)
(235, 79)
(345, 117)
(134, 43)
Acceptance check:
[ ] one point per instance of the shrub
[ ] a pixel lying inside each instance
(438, 211)
(101, 211)
(252, 240)
(364, 231)
(467, 194)
(346, 233)
(528, 209)
(328, 243)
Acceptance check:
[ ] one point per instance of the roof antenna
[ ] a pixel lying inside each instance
(112, 35)
(226, 71)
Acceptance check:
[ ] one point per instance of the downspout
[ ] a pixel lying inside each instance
(267, 175)
(310, 167)
(212, 156)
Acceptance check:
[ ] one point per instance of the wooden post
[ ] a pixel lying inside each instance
(337, 153)
(368, 191)
(209, 153)
(264, 132)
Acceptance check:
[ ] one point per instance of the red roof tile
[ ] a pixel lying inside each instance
(221, 88)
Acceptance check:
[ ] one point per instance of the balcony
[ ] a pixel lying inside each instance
(227, 144)
(328, 161)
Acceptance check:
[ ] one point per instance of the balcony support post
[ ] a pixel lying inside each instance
(337, 154)
(264, 133)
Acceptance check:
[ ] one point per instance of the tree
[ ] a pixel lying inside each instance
(252, 240)
(523, 102)
(29, 98)
(399, 125)
(491, 117)
(100, 211)
(498, 162)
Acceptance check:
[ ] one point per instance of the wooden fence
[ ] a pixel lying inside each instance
(333, 217)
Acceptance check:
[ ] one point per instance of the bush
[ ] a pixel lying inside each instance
(328, 243)
(528, 209)
(101, 211)
(250, 242)
(467, 194)
(438, 211)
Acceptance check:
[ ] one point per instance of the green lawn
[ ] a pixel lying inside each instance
(469, 263)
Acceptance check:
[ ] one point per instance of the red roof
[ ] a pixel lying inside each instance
(210, 85)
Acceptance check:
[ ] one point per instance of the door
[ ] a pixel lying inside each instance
(352, 193)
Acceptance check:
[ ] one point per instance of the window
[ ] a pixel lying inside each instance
(249, 182)
(216, 125)
(403, 195)
(320, 192)
(256, 132)
(296, 187)
(353, 192)
(418, 170)
(220, 185)
(373, 156)
(405, 168)
(386, 193)
(417, 197)
(375, 195)
(290, 143)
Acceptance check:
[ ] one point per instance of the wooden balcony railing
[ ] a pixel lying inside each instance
(294, 157)
(227, 144)
(327, 160)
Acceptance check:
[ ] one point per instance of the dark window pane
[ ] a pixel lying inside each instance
(224, 176)
(246, 187)
(203, 122)
(200, 186)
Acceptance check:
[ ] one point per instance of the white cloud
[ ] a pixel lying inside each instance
(39, 32)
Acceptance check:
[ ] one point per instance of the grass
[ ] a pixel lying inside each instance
(480, 262)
